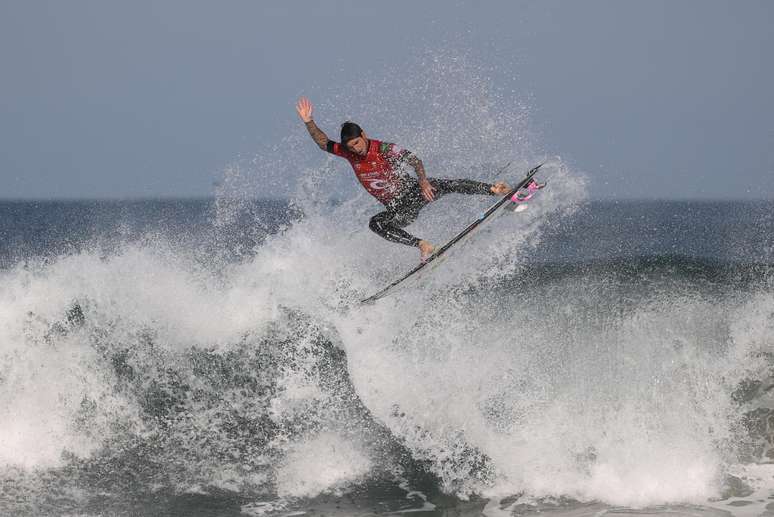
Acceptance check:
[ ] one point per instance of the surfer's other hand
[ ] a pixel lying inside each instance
(428, 192)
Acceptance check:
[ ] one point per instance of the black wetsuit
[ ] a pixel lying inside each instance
(404, 209)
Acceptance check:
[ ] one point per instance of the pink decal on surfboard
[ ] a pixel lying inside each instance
(520, 197)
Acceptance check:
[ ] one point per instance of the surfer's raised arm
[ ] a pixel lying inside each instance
(304, 109)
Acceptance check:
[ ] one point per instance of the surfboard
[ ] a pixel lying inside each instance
(491, 211)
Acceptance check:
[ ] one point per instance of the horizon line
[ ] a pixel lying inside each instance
(288, 199)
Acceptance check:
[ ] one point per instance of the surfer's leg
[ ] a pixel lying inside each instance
(389, 225)
(400, 213)
(460, 186)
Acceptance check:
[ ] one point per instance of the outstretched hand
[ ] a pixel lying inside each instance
(304, 109)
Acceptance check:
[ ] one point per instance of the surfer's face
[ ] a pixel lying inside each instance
(358, 145)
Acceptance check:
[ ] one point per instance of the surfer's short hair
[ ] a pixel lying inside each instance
(349, 130)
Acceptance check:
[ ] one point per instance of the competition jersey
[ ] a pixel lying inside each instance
(378, 171)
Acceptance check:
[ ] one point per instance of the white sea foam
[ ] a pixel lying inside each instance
(323, 463)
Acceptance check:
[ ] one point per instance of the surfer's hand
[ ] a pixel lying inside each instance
(427, 189)
(304, 109)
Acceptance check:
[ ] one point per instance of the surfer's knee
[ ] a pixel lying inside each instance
(377, 222)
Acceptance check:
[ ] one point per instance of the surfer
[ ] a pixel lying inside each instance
(377, 166)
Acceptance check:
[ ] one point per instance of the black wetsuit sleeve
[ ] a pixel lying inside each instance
(336, 148)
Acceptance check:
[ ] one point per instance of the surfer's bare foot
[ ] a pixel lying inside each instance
(425, 249)
(500, 188)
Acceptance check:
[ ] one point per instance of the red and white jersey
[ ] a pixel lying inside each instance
(379, 170)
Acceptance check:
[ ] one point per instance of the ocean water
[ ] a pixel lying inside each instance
(208, 358)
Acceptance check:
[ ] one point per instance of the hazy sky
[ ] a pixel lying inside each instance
(156, 98)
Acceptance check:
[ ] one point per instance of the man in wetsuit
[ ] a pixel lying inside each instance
(377, 166)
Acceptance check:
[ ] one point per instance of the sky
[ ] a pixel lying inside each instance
(142, 99)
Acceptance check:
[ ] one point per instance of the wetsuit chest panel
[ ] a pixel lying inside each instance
(375, 171)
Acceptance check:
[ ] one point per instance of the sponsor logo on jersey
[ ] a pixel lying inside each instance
(377, 184)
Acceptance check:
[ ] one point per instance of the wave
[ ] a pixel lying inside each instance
(622, 381)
